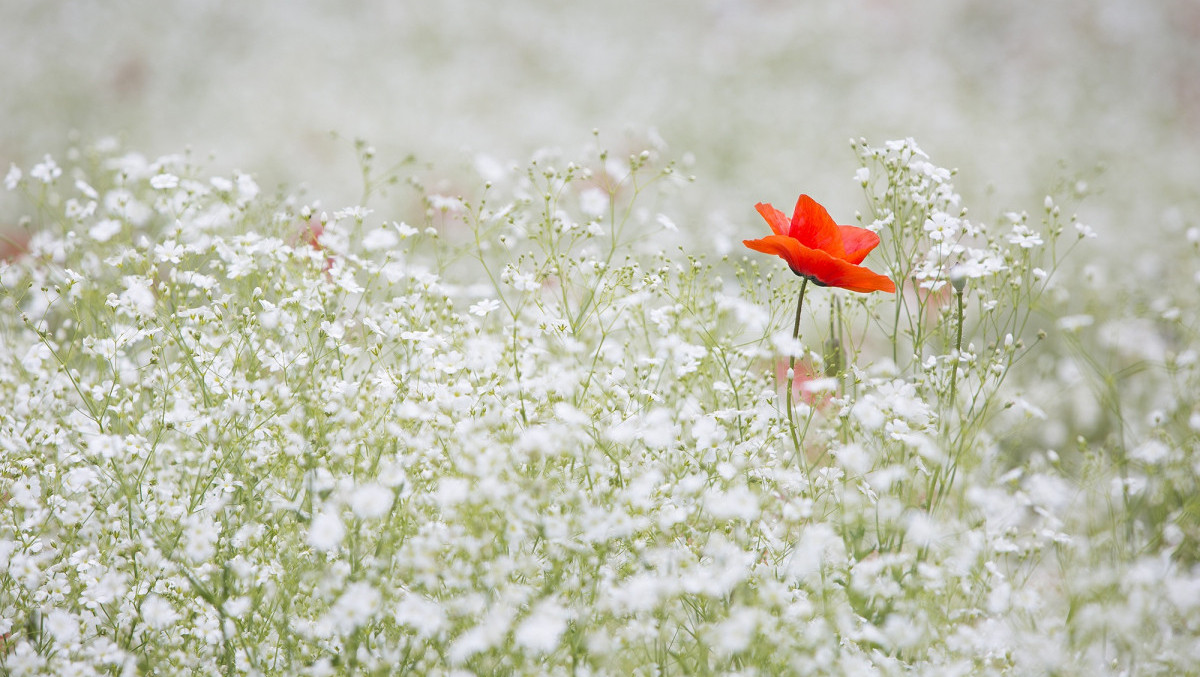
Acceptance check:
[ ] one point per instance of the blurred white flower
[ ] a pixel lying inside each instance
(542, 629)
(593, 202)
(484, 307)
(378, 239)
(371, 500)
(158, 612)
(326, 531)
(164, 181)
(1024, 237)
(45, 171)
(13, 177)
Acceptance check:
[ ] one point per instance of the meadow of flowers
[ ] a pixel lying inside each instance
(532, 426)
(419, 407)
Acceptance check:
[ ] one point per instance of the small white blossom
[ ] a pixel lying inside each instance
(164, 181)
(542, 630)
(371, 500)
(46, 171)
(13, 177)
(1024, 237)
(326, 531)
(593, 202)
(378, 239)
(158, 612)
(484, 307)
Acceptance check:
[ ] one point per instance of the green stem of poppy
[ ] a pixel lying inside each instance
(791, 377)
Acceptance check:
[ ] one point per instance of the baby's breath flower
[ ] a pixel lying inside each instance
(13, 178)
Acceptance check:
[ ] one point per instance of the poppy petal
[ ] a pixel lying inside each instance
(858, 242)
(820, 266)
(775, 218)
(814, 228)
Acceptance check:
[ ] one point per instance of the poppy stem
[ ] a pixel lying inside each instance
(791, 376)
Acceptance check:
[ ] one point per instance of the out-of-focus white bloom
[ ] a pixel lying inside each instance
(164, 181)
(371, 500)
(593, 202)
(1024, 237)
(543, 628)
(404, 230)
(326, 531)
(484, 307)
(424, 615)
(45, 171)
(158, 612)
(378, 239)
(445, 203)
(13, 177)
(246, 187)
(62, 626)
(356, 607)
(1072, 323)
(138, 296)
(104, 230)
(236, 607)
(1151, 452)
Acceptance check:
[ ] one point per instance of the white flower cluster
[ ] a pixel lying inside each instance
(517, 437)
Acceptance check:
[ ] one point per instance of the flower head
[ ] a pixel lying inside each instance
(817, 248)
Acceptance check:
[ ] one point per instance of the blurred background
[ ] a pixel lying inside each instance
(763, 94)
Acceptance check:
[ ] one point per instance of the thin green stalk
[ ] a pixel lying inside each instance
(791, 377)
(957, 347)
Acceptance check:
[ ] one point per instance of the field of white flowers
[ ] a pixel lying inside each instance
(412, 406)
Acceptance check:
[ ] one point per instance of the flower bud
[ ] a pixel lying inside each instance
(958, 278)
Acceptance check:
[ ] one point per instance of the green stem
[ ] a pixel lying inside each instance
(957, 349)
(947, 476)
(791, 377)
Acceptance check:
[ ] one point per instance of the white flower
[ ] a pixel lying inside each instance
(593, 202)
(164, 181)
(246, 187)
(63, 626)
(221, 183)
(371, 500)
(138, 296)
(355, 608)
(158, 612)
(1023, 237)
(424, 615)
(1071, 323)
(863, 175)
(169, 251)
(484, 307)
(1151, 452)
(380, 238)
(46, 171)
(405, 231)
(444, 203)
(83, 187)
(200, 538)
(236, 607)
(326, 531)
(666, 222)
(358, 213)
(13, 177)
(542, 630)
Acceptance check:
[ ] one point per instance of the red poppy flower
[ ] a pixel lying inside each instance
(817, 248)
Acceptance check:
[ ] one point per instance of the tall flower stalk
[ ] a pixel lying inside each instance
(818, 250)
